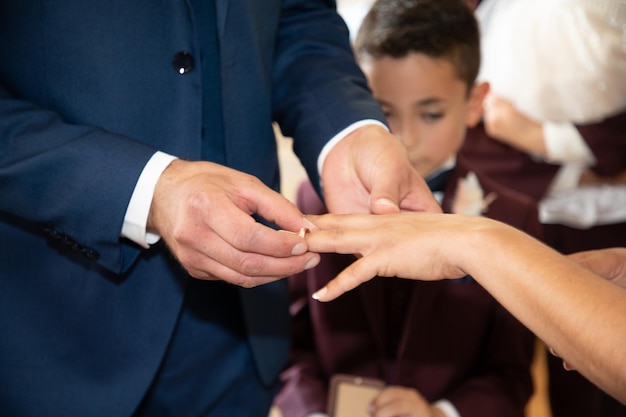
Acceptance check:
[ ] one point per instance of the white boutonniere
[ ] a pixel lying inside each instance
(470, 198)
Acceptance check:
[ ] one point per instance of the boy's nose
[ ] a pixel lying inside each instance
(408, 134)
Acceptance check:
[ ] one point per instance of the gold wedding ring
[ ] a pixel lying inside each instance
(302, 233)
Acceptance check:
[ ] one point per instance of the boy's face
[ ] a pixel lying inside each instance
(426, 104)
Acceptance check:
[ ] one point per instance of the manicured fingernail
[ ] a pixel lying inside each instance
(299, 249)
(312, 263)
(320, 293)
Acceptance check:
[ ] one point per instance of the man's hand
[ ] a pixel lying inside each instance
(369, 172)
(203, 211)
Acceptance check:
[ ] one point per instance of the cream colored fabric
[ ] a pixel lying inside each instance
(556, 60)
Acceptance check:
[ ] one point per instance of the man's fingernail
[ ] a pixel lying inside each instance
(299, 249)
(320, 293)
(312, 263)
(386, 202)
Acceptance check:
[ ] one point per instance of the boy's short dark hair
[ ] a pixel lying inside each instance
(437, 28)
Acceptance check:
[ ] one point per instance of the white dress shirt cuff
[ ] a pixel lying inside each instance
(340, 136)
(564, 144)
(448, 409)
(136, 218)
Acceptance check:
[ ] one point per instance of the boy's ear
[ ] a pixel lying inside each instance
(475, 107)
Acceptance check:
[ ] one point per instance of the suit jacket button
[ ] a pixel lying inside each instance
(90, 254)
(183, 62)
(54, 234)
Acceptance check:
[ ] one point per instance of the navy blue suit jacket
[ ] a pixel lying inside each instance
(87, 94)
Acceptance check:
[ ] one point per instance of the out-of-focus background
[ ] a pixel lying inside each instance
(293, 174)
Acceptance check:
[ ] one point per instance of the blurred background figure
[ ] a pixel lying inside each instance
(554, 133)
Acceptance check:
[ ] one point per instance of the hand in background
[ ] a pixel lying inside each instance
(609, 263)
(369, 172)
(403, 401)
(505, 123)
(203, 212)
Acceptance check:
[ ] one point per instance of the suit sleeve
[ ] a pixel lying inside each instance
(318, 87)
(607, 140)
(67, 180)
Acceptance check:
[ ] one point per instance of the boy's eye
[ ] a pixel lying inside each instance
(432, 116)
(388, 113)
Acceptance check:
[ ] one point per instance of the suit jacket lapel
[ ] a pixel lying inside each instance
(221, 9)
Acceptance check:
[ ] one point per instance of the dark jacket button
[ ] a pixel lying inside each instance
(90, 254)
(54, 234)
(66, 240)
(183, 62)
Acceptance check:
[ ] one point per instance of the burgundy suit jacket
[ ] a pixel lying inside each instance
(455, 342)
(521, 181)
